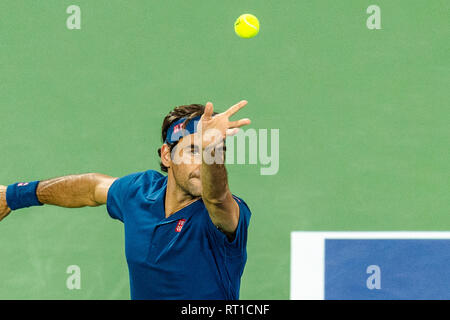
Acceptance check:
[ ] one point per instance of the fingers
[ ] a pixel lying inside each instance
(233, 109)
(232, 132)
(239, 123)
(207, 114)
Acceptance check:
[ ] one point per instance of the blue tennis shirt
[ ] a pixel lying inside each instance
(181, 257)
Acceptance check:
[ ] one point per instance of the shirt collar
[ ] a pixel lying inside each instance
(158, 200)
(159, 194)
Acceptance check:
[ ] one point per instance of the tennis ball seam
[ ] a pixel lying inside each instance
(249, 24)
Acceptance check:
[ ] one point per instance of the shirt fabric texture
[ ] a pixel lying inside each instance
(182, 257)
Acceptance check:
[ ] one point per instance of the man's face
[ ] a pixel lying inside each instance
(186, 164)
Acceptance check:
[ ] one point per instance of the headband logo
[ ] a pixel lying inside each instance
(178, 127)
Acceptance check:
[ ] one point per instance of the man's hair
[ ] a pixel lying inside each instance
(185, 111)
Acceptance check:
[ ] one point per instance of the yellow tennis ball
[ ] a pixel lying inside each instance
(246, 26)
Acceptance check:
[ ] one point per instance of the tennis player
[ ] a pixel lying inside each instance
(185, 233)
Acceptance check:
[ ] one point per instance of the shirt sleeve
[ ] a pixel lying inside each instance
(117, 194)
(239, 244)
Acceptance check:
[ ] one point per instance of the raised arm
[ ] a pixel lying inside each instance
(222, 208)
(73, 191)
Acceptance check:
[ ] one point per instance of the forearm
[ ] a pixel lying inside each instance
(216, 195)
(214, 177)
(4, 209)
(72, 191)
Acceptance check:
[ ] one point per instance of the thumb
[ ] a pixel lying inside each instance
(207, 114)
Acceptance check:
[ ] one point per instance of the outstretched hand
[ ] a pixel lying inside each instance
(4, 209)
(214, 129)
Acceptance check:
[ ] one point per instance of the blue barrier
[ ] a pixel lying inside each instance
(388, 269)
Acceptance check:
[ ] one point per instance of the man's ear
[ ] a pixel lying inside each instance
(165, 156)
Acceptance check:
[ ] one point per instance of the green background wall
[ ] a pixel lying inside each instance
(363, 118)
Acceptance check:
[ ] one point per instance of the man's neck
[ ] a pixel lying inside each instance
(176, 198)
